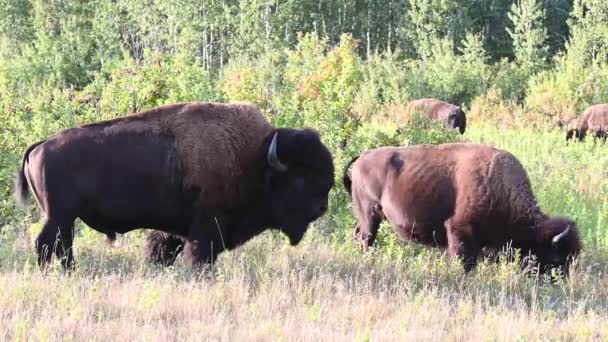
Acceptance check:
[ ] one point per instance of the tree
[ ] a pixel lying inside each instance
(528, 34)
(589, 32)
(431, 20)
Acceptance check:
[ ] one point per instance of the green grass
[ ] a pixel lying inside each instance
(267, 290)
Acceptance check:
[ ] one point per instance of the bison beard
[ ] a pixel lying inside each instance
(467, 198)
(206, 177)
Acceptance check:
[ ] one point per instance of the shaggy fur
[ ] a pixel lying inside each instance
(197, 172)
(453, 116)
(163, 248)
(459, 196)
(221, 168)
(594, 120)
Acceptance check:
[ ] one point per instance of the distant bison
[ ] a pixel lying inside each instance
(594, 120)
(461, 196)
(208, 177)
(453, 116)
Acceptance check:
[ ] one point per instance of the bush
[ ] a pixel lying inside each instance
(510, 80)
(581, 72)
(384, 81)
(447, 76)
(564, 93)
(243, 82)
(319, 89)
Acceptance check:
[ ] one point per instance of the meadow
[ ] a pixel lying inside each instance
(322, 290)
(523, 71)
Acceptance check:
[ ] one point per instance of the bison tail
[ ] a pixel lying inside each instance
(22, 192)
(346, 180)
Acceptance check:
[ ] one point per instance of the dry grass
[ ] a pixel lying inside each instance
(269, 291)
(490, 108)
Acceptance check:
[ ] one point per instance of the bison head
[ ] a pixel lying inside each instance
(575, 133)
(571, 133)
(457, 120)
(557, 244)
(299, 176)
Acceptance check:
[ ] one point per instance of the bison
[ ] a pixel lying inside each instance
(595, 120)
(205, 176)
(465, 197)
(453, 116)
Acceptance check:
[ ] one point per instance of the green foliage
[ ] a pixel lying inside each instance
(256, 81)
(383, 81)
(589, 32)
(16, 24)
(448, 76)
(319, 88)
(430, 21)
(529, 34)
(581, 72)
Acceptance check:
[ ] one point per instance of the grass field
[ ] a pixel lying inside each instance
(322, 290)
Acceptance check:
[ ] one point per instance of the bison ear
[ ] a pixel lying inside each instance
(272, 156)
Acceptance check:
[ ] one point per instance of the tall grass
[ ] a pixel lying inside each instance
(267, 290)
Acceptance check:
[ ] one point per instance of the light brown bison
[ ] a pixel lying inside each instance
(453, 116)
(207, 177)
(459, 196)
(594, 120)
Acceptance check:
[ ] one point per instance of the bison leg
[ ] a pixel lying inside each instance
(200, 252)
(64, 248)
(57, 237)
(163, 248)
(45, 242)
(369, 222)
(462, 244)
(204, 245)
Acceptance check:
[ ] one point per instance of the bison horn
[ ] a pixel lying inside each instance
(273, 158)
(557, 237)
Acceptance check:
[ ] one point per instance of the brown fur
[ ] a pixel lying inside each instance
(236, 129)
(594, 120)
(459, 196)
(201, 174)
(439, 110)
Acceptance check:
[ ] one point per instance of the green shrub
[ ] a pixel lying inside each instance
(447, 76)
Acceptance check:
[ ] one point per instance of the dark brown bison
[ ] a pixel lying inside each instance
(594, 120)
(206, 176)
(461, 196)
(438, 110)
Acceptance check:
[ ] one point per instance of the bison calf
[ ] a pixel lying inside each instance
(593, 120)
(207, 176)
(453, 116)
(459, 196)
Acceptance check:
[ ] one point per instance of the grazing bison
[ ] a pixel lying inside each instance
(438, 110)
(461, 196)
(595, 120)
(208, 176)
